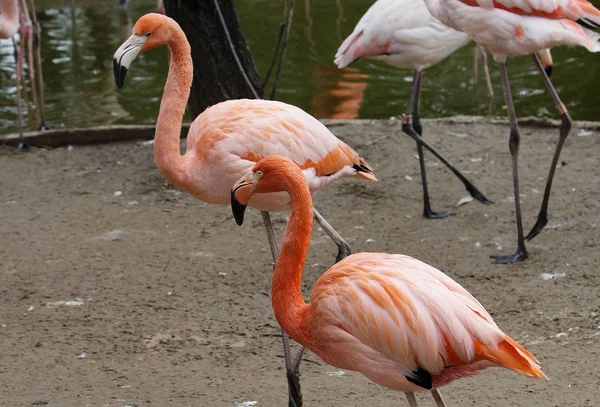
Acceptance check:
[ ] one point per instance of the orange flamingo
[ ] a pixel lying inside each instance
(227, 139)
(400, 322)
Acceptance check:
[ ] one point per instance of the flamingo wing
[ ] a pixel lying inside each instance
(251, 129)
(581, 11)
(392, 28)
(413, 314)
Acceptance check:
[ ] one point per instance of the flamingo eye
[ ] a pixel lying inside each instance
(148, 34)
(259, 174)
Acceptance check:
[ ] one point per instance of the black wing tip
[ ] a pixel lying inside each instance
(587, 23)
(237, 209)
(120, 72)
(362, 166)
(421, 378)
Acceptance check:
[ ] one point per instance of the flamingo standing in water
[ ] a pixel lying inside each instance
(227, 139)
(400, 322)
(405, 35)
(524, 27)
(9, 25)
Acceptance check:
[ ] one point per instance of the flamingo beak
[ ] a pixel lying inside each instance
(241, 193)
(125, 55)
(547, 61)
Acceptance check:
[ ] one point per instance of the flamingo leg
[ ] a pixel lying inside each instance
(344, 248)
(412, 400)
(475, 65)
(437, 397)
(410, 131)
(471, 188)
(293, 376)
(21, 146)
(513, 144)
(415, 126)
(486, 71)
(40, 76)
(565, 128)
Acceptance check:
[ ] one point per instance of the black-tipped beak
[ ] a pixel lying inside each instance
(125, 55)
(120, 72)
(237, 208)
(548, 70)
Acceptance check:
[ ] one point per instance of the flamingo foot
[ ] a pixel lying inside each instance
(429, 214)
(541, 223)
(295, 394)
(293, 377)
(477, 194)
(344, 250)
(520, 255)
(23, 148)
(43, 126)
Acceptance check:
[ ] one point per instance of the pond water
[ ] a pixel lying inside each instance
(78, 45)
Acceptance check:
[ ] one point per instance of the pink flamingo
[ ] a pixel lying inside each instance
(524, 27)
(9, 25)
(404, 34)
(227, 139)
(400, 322)
(9, 21)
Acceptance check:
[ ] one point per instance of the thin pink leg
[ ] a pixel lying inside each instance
(412, 400)
(292, 371)
(40, 75)
(486, 70)
(439, 401)
(21, 146)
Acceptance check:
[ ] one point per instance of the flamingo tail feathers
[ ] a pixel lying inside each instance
(364, 170)
(513, 356)
(346, 54)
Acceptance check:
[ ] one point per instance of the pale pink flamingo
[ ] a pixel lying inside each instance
(9, 25)
(405, 35)
(15, 17)
(31, 32)
(400, 322)
(9, 18)
(227, 139)
(524, 27)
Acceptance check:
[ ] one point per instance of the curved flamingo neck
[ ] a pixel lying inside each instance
(172, 107)
(286, 295)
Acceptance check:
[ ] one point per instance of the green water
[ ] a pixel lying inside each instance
(77, 61)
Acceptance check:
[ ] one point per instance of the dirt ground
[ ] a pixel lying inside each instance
(117, 289)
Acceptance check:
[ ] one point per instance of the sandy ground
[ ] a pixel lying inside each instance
(117, 289)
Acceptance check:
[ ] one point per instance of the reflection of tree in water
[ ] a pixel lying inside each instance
(340, 92)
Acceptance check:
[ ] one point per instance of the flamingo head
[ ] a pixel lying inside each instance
(271, 174)
(547, 62)
(150, 31)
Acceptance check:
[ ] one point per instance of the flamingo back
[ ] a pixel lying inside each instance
(406, 312)
(522, 27)
(227, 139)
(402, 33)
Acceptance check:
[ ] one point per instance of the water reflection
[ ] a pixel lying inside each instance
(78, 45)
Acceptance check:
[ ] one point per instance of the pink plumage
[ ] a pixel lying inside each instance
(387, 315)
(9, 18)
(521, 27)
(402, 33)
